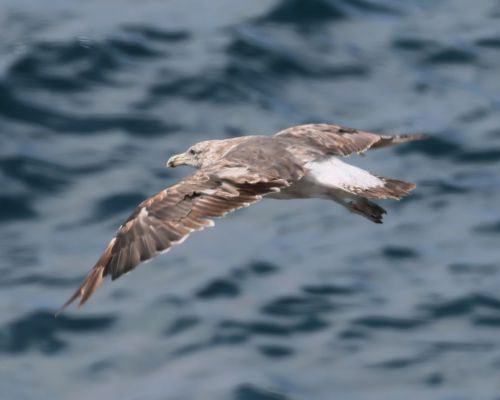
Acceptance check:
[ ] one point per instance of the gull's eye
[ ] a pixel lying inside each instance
(192, 152)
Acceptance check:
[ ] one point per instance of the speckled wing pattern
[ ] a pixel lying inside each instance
(167, 218)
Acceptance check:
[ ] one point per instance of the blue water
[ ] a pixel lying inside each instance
(283, 300)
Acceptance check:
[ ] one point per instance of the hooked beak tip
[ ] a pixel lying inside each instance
(174, 161)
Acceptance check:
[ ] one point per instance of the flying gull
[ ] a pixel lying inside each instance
(299, 162)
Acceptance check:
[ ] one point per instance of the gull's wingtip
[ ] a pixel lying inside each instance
(75, 296)
(92, 281)
(421, 136)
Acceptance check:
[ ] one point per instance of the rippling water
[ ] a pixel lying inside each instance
(295, 300)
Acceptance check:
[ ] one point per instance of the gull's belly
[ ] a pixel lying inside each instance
(326, 179)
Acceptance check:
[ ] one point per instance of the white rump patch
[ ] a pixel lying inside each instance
(337, 174)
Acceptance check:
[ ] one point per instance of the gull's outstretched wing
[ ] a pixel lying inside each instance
(168, 217)
(323, 139)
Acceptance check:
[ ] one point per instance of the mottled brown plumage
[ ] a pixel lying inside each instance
(318, 140)
(235, 173)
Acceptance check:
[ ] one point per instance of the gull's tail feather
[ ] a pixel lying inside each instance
(391, 189)
(397, 189)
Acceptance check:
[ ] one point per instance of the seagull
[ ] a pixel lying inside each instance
(300, 162)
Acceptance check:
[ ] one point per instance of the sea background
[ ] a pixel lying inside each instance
(283, 300)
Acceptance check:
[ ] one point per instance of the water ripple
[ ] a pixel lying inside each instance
(16, 207)
(463, 305)
(13, 108)
(450, 55)
(36, 174)
(384, 322)
(115, 204)
(39, 330)
(72, 66)
(93, 99)
(250, 392)
(310, 13)
(295, 306)
(219, 288)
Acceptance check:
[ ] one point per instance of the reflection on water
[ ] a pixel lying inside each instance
(283, 300)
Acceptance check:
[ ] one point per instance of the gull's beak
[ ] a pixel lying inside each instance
(176, 160)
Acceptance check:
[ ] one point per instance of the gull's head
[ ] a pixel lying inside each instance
(198, 155)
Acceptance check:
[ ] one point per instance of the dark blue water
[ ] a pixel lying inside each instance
(283, 300)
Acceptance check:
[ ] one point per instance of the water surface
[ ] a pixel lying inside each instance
(295, 300)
